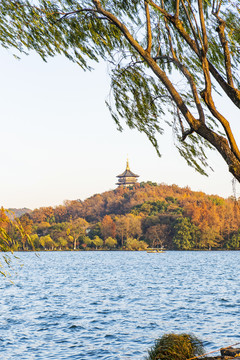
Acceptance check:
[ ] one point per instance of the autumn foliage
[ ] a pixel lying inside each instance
(132, 219)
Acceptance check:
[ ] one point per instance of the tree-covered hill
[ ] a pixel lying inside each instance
(14, 212)
(133, 218)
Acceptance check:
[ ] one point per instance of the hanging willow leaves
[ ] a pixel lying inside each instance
(11, 233)
(167, 60)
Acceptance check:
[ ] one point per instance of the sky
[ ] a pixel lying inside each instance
(59, 142)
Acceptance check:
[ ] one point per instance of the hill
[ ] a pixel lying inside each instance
(13, 212)
(147, 214)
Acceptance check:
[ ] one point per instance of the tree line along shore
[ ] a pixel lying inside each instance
(134, 218)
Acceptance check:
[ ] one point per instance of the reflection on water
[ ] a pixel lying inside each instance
(112, 305)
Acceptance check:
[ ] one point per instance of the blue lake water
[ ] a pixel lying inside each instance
(112, 305)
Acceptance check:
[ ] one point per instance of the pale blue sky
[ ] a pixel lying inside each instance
(59, 141)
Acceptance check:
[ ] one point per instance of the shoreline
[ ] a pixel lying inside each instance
(122, 250)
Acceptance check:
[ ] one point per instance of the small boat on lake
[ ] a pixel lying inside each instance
(155, 250)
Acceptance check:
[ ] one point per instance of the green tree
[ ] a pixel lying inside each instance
(94, 230)
(62, 243)
(98, 242)
(47, 242)
(209, 237)
(183, 234)
(233, 242)
(57, 232)
(149, 46)
(36, 241)
(87, 242)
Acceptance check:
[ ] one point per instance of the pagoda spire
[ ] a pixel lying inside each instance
(127, 178)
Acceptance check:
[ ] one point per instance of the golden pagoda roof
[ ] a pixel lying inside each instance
(127, 172)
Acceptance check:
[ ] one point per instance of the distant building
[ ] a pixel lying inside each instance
(127, 178)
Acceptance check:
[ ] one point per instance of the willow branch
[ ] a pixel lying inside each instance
(178, 24)
(211, 106)
(185, 133)
(219, 7)
(203, 26)
(159, 8)
(227, 58)
(197, 35)
(191, 82)
(65, 15)
(169, 35)
(203, 56)
(213, 6)
(232, 93)
(149, 31)
(216, 6)
(207, 78)
(158, 39)
(170, 39)
(177, 9)
(162, 76)
(218, 141)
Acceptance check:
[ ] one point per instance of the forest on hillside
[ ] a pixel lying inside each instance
(146, 215)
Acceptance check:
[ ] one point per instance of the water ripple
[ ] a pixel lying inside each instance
(113, 305)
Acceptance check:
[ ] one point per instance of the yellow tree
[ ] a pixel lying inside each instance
(128, 226)
(110, 242)
(76, 228)
(108, 227)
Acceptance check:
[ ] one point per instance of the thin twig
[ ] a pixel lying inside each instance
(191, 24)
(75, 12)
(169, 34)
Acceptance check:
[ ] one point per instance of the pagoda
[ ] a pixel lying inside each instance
(127, 178)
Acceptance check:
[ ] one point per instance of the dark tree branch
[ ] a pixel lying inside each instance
(75, 12)
(227, 128)
(185, 133)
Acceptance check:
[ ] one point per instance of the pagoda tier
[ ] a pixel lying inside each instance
(127, 178)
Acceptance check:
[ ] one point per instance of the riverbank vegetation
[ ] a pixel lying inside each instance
(146, 215)
(176, 347)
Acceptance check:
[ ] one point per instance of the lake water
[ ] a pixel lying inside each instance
(112, 305)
